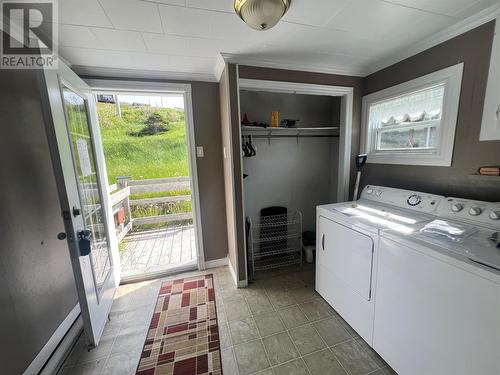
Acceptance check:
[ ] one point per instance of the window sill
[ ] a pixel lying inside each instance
(423, 159)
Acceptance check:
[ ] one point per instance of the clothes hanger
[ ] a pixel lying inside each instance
(250, 146)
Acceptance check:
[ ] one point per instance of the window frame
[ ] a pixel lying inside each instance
(442, 155)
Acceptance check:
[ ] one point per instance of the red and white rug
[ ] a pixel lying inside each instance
(183, 337)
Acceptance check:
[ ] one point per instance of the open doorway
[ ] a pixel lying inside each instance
(147, 142)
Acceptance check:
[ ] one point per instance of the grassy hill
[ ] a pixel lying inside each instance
(152, 156)
(143, 157)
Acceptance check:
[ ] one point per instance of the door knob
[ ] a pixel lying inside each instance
(84, 242)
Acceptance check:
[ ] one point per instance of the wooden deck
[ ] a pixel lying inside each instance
(158, 250)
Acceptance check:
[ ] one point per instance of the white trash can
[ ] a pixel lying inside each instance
(309, 251)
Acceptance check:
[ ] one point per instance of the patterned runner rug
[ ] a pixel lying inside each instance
(183, 337)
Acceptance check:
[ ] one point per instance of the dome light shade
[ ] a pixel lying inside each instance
(261, 14)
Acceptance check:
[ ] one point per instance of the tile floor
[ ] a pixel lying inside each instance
(278, 325)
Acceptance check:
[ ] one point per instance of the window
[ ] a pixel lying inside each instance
(414, 122)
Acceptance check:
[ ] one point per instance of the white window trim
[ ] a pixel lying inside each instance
(442, 155)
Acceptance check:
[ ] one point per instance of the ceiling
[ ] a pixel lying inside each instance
(184, 38)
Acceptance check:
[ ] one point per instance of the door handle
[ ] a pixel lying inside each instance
(323, 241)
(84, 242)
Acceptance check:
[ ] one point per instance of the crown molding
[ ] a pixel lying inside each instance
(340, 70)
(104, 72)
(476, 20)
(467, 24)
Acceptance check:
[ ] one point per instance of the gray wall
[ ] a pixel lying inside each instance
(37, 288)
(474, 49)
(311, 110)
(206, 117)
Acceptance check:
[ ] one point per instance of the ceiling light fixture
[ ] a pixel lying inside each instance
(261, 14)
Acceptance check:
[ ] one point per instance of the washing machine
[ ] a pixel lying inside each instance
(437, 308)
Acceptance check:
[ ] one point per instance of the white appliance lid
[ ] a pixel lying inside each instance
(476, 245)
(381, 216)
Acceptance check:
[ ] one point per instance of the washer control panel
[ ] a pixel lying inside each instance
(481, 213)
(408, 199)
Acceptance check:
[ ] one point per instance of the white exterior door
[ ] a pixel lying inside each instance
(75, 138)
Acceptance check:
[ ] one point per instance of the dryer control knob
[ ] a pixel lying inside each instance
(457, 207)
(494, 215)
(474, 211)
(414, 200)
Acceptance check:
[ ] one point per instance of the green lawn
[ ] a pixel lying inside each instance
(144, 157)
(153, 156)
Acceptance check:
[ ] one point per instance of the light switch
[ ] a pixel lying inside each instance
(199, 151)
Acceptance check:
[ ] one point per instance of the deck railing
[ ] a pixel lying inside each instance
(121, 202)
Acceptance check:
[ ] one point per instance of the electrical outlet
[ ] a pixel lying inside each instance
(199, 151)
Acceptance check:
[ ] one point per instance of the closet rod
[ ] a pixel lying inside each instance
(293, 136)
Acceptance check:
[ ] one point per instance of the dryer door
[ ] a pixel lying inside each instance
(348, 254)
(344, 274)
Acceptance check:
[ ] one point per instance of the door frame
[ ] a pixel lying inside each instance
(347, 101)
(346, 93)
(110, 86)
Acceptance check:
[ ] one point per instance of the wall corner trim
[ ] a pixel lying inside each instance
(220, 65)
(239, 284)
(216, 263)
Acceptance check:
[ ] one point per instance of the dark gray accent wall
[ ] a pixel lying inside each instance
(473, 49)
(37, 287)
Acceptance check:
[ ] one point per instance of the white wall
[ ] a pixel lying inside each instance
(294, 175)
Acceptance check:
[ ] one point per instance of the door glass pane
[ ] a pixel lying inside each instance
(88, 183)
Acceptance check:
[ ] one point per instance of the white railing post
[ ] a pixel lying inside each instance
(122, 181)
